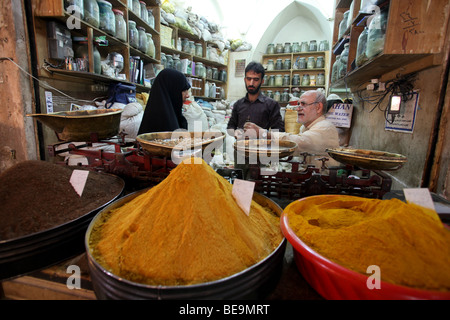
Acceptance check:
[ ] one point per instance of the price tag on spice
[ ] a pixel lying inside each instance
(243, 194)
(419, 196)
(78, 180)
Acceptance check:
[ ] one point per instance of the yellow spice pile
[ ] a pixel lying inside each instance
(188, 229)
(408, 242)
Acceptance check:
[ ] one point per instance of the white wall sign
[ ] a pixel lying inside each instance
(340, 114)
(404, 122)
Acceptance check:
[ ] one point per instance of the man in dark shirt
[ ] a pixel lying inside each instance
(255, 107)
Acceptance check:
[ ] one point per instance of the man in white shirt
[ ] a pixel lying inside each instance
(316, 133)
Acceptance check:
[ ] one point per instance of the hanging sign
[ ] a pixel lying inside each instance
(340, 114)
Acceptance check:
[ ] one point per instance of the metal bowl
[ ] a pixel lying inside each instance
(82, 125)
(259, 148)
(368, 159)
(254, 282)
(156, 143)
(36, 251)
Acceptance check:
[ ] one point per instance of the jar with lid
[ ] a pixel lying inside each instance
(215, 74)
(151, 50)
(287, 64)
(324, 45)
(200, 70)
(199, 49)
(296, 93)
(279, 64)
(278, 80)
(177, 63)
(285, 95)
(121, 27)
(107, 19)
(133, 34)
(209, 72)
(270, 48)
(321, 79)
(311, 64)
(169, 61)
(144, 12)
(223, 75)
(312, 45)
(277, 96)
(163, 59)
(151, 18)
(142, 39)
(77, 6)
(343, 24)
(191, 47)
(343, 61)
(286, 80)
(271, 82)
(301, 63)
(296, 80)
(320, 63)
(136, 8)
(91, 12)
(270, 94)
(304, 47)
(270, 65)
(82, 52)
(376, 34)
(305, 80)
(335, 69)
(279, 48)
(295, 47)
(287, 47)
(361, 56)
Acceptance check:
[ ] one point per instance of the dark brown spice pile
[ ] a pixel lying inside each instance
(37, 195)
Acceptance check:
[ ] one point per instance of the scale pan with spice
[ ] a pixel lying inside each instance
(255, 282)
(368, 159)
(82, 125)
(163, 143)
(259, 148)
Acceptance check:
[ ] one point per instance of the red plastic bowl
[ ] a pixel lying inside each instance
(334, 282)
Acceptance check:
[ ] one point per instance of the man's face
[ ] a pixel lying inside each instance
(308, 109)
(253, 81)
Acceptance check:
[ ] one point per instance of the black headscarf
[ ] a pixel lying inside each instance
(164, 107)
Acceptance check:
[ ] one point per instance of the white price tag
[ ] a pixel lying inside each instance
(243, 194)
(419, 196)
(78, 180)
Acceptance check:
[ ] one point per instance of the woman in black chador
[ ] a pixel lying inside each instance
(164, 107)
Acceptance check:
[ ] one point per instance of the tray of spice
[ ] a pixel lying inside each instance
(348, 247)
(163, 143)
(82, 125)
(42, 218)
(265, 148)
(368, 159)
(185, 238)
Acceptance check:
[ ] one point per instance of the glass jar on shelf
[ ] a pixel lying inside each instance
(285, 95)
(151, 18)
(279, 64)
(142, 39)
(305, 80)
(144, 12)
(215, 73)
(75, 5)
(312, 45)
(278, 80)
(191, 47)
(335, 69)
(361, 56)
(151, 50)
(136, 9)
(311, 64)
(133, 34)
(199, 50)
(121, 27)
(376, 34)
(200, 70)
(223, 75)
(209, 72)
(324, 45)
(169, 61)
(82, 52)
(277, 96)
(301, 63)
(287, 47)
(270, 65)
(271, 82)
(321, 79)
(163, 59)
(270, 48)
(177, 63)
(304, 47)
(279, 48)
(296, 80)
(269, 93)
(343, 61)
(320, 63)
(295, 47)
(343, 24)
(107, 19)
(286, 80)
(287, 64)
(91, 13)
